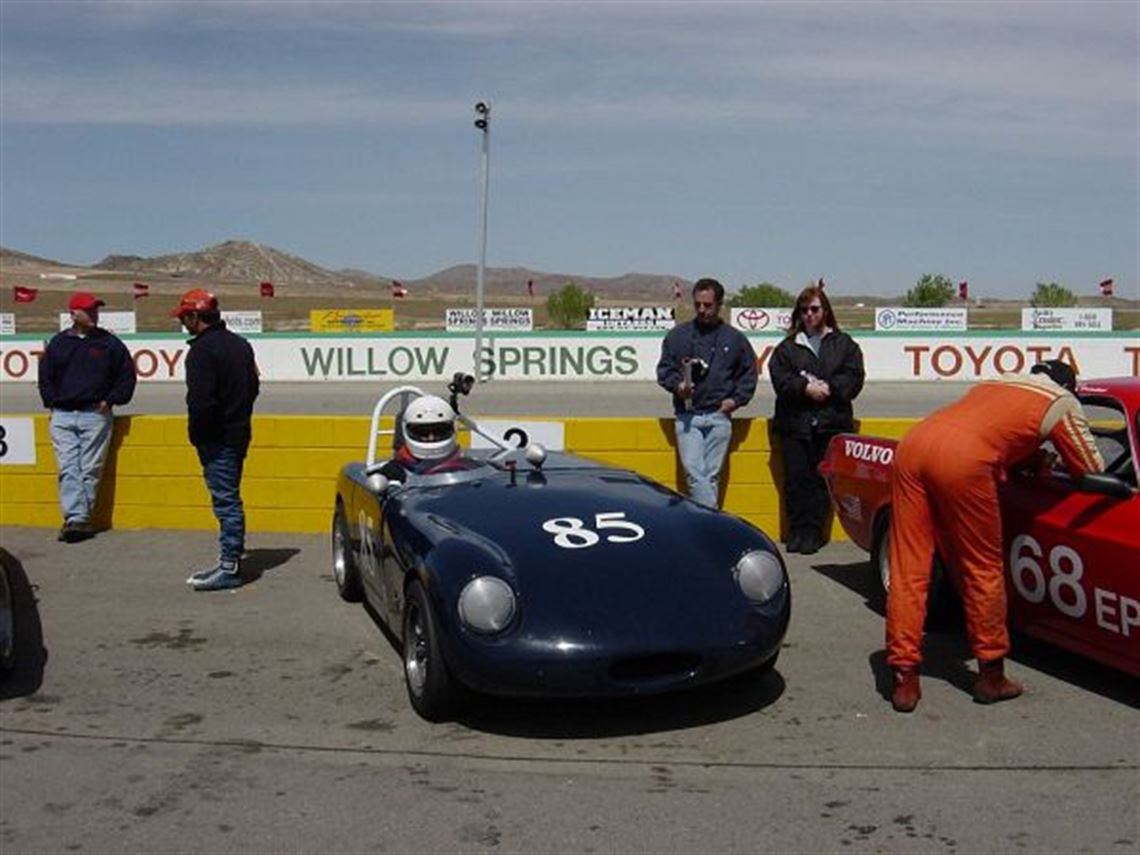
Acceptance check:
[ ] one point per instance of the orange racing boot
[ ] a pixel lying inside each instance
(993, 685)
(906, 692)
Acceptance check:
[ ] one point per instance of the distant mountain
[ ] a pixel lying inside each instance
(10, 259)
(233, 260)
(506, 281)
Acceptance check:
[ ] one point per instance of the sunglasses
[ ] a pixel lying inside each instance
(811, 310)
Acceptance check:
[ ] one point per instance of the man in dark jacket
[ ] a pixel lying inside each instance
(817, 371)
(84, 373)
(711, 370)
(221, 386)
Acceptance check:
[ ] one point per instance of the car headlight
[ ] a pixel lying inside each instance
(759, 575)
(487, 604)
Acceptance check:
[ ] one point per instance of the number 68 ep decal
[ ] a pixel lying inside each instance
(572, 533)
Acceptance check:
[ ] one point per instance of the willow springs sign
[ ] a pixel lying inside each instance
(599, 356)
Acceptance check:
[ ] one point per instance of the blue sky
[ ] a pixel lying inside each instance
(869, 143)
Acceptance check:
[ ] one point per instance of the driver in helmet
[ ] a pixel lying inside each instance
(430, 444)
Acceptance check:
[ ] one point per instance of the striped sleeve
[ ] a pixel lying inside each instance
(1074, 441)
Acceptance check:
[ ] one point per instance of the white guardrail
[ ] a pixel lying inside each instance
(598, 356)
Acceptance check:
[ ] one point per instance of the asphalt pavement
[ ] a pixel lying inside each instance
(149, 718)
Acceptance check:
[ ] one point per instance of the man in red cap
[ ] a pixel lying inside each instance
(84, 373)
(221, 385)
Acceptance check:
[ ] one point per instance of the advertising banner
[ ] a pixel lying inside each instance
(494, 320)
(580, 356)
(1058, 320)
(120, 323)
(352, 320)
(754, 319)
(243, 322)
(901, 319)
(630, 318)
(7, 323)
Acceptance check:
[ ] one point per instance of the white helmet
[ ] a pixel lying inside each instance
(429, 428)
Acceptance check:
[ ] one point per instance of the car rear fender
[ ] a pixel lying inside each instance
(857, 470)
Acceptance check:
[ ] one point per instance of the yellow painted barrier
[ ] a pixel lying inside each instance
(153, 479)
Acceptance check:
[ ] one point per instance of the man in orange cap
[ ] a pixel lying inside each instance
(945, 479)
(84, 373)
(221, 385)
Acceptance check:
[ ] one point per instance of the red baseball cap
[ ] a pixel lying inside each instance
(195, 300)
(84, 301)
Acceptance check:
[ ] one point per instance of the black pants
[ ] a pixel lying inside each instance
(805, 492)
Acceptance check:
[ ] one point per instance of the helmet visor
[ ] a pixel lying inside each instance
(430, 431)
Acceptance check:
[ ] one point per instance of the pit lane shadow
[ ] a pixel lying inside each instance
(26, 674)
(947, 654)
(735, 697)
(257, 562)
(615, 717)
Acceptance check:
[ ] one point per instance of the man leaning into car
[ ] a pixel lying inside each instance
(944, 486)
(711, 370)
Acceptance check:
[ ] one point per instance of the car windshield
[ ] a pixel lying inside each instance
(1109, 425)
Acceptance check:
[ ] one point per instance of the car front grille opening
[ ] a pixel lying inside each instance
(656, 666)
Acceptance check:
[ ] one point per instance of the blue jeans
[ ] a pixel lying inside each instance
(702, 442)
(80, 439)
(221, 467)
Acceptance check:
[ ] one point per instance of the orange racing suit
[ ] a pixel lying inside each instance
(945, 480)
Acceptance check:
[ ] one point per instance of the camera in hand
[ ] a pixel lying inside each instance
(694, 370)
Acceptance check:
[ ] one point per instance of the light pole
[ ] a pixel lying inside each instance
(483, 124)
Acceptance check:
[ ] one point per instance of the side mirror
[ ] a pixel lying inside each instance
(1104, 485)
(378, 483)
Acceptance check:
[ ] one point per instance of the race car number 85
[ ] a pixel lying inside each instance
(571, 532)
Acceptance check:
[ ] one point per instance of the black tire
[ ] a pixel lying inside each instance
(432, 691)
(7, 624)
(345, 571)
(941, 601)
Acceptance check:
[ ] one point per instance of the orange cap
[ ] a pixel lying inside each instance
(195, 300)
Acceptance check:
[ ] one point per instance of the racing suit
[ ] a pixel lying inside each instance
(945, 480)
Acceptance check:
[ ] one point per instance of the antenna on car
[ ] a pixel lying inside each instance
(460, 384)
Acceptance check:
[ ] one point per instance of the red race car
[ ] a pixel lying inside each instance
(1072, 546)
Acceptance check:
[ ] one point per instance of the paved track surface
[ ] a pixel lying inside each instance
(518, 398)
(273, 718)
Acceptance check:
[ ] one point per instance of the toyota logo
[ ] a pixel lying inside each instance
(753, 319)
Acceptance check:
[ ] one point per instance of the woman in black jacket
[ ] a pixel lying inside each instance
(817, 371)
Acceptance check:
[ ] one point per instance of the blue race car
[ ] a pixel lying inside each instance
(527, 573)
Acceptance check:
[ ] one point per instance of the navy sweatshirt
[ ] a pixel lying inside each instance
(221, 386)
(731, 365)
(77, 372)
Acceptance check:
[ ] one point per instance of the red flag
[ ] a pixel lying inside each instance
(821, 285)
(398, 289)
(1106, 288)
(676, 290)
(530, 287)
(963, 290)
(141, 290)
(24, 295)
(267, 289)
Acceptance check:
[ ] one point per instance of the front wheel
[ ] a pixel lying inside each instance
(345, 571)
(432, 691)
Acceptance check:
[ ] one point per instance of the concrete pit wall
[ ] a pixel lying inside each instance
(153, 479)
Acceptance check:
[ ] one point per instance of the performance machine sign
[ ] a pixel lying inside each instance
(494, 320)
(629, 318)
(753, 319)
(580, 356)
(901, 319)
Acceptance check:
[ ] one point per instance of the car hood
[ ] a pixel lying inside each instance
(584, 548)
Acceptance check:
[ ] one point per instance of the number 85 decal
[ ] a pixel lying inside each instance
(571, 532)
